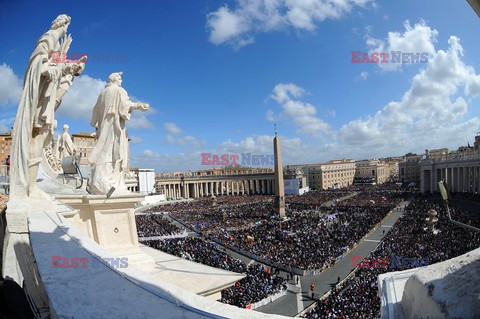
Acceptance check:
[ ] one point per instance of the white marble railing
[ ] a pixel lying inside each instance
(116, 292)
(180, 235)
(267, 300)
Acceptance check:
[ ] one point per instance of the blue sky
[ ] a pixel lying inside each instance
(218, 74)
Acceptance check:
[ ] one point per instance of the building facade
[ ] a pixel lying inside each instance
(332, 174)
(223, 181)
(375, 169)
(5, 146)
(295, 181)
(391, 165)
(84, 143)
(409, 169)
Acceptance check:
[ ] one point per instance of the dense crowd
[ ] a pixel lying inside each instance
(214, 219)
(458, 214)
(241, 199)
(313, 200)
(313, 237)
(257, 285)
(309, 241)
(200, 251)
(150, 225)
(408, 238)
(372, 197)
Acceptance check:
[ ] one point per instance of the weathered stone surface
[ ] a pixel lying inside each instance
(449, 289)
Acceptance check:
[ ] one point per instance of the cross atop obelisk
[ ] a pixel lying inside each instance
(279, 187)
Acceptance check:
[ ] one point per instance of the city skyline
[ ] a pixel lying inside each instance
(218, 76)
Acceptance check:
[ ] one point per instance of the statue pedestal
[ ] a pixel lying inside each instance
(110, 222)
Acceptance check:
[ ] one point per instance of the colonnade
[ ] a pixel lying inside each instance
(199, 188)
(459, 176)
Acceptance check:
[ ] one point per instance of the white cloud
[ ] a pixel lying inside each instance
(225, 25)
(293, 150)
(11, 86)
(187, 140)
(302, 114)
(270, 116)
(430, 114)
(173, 137)
(238, 26)
(417, 39)
(82, 96)
(363, 75)
(135, 140)
(172, 128)
(139, 120)
(164, 162)
(80, 99)
(284, 91)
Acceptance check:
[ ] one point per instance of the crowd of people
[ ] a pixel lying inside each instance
(408, 238)
(200, 251)
(150, 225)
(313, 199)
(374, 197)
(207, 218)
(257, 285)
(309, 241)
(312, 237)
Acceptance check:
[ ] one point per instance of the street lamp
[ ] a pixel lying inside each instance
(446, 196)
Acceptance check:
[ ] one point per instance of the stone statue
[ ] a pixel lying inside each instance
(51, 153)
(45, 84)
(109, 157)
(66, 146)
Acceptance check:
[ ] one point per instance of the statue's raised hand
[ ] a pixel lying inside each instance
(142, 106)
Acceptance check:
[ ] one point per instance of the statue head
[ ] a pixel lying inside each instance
(78, 68)
(116, 78)
(61, 21)
(65, 128)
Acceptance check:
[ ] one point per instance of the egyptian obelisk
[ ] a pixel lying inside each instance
(279, 187)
